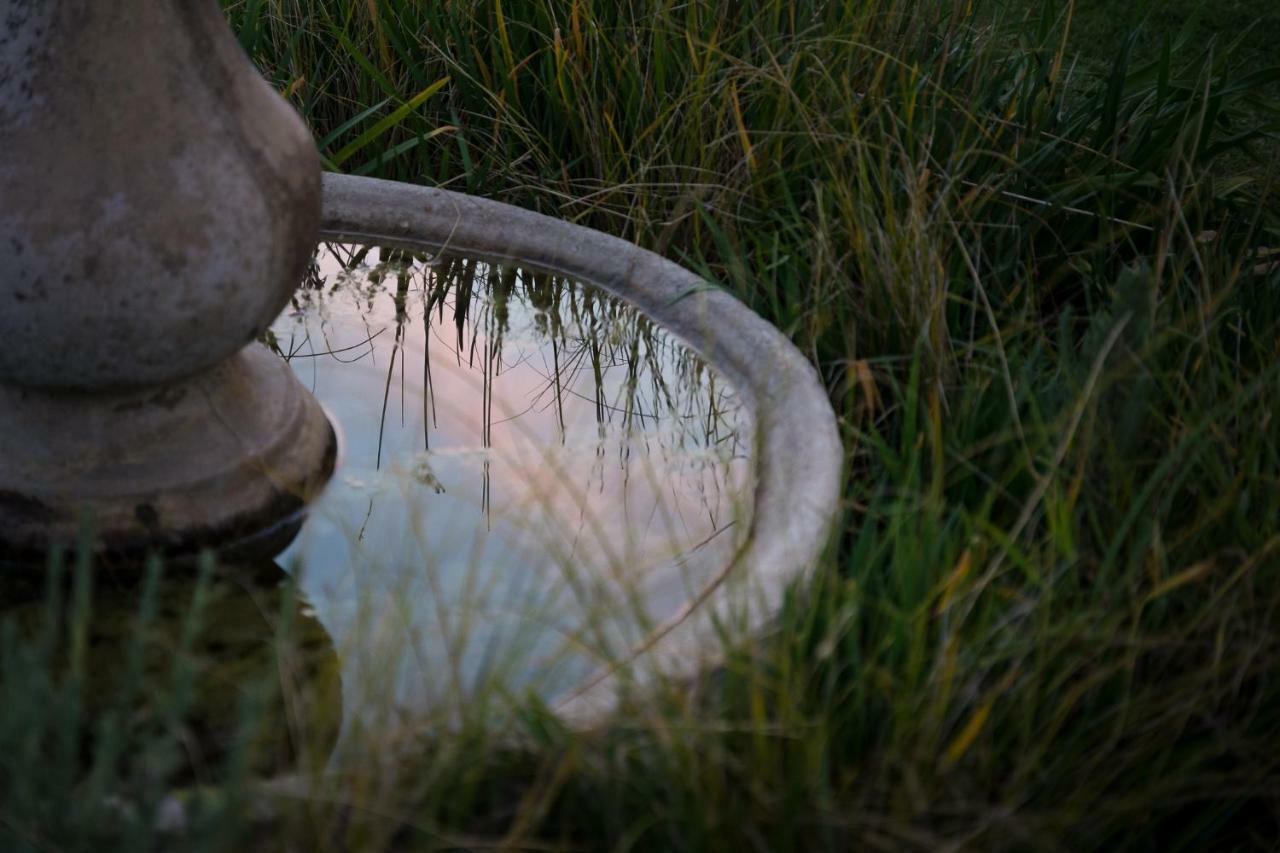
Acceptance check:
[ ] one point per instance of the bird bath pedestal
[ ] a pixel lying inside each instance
(158, 205)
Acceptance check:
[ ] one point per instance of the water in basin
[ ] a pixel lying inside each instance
(533, 476)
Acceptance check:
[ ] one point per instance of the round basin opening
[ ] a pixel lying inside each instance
(534, 477)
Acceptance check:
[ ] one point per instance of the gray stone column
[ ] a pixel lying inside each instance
(158, 205)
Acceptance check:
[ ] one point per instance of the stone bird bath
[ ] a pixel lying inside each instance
(158, 207)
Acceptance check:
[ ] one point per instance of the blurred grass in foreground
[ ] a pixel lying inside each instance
(1046, 301)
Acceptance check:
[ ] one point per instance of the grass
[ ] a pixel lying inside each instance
(1043, 292)
(1246, 27)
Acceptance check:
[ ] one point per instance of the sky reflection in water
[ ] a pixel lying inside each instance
(533, 476)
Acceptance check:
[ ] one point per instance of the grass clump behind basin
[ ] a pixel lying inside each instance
(1045, 299)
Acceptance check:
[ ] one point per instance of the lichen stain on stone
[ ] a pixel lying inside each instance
(169, 398)
(25, 509)
(23, 47)
(147, 516)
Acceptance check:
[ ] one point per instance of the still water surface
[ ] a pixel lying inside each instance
(533, 475)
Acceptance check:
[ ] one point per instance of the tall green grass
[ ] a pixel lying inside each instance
(1045, 299)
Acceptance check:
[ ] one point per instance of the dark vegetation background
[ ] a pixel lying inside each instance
(1032, 248)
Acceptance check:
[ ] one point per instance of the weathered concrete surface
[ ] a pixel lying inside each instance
(204, 460)
(798, 460)
(158, 206)
(158, 201)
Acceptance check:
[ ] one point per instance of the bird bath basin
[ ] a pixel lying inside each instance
(541, 488)
(556, 463)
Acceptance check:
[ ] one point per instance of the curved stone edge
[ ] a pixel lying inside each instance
(799, 457)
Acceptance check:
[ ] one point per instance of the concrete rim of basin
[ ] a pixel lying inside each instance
(798, 455)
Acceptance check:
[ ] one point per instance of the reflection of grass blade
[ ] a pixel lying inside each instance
(386, 394)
